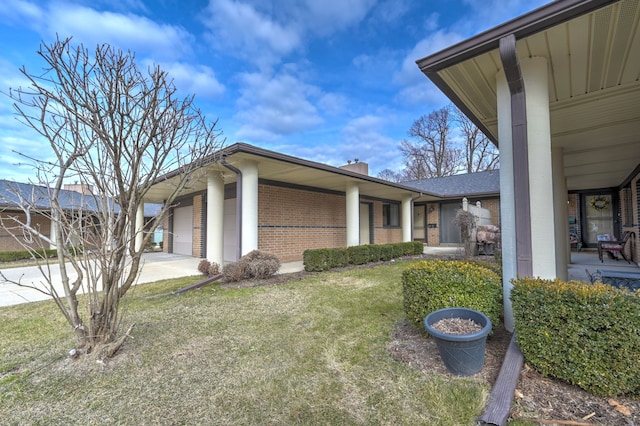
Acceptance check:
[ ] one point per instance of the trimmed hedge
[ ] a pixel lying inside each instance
(585, 334)
(316, 260)
(16, 255)
(434, 284)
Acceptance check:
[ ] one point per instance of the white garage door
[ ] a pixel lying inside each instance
(183, 230)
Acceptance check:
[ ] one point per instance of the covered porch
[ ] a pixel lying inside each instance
(558, 90)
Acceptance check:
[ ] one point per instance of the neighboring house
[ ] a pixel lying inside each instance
(252, 198)
(75, 199)
(558, 91)
(433, 221)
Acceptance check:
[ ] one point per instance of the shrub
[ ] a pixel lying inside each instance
(255, 264)
(316, 260)
(235, 271)
(358, 255)
(16, 255)
(386, 252)
(203, 267)
(585, 334)
(417, 248)
(261, 264)
(435, 284)
(374, 253)
(214, 269)
(339, 257)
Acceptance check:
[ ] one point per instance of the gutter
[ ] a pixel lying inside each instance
(519, 141)
(238, 173)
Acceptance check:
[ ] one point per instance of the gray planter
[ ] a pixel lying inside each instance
(462, 354)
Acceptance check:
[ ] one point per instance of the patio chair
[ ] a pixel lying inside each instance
(614, 246)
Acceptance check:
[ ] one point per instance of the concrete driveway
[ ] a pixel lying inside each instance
(157, 266)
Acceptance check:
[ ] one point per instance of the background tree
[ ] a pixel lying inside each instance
(433, 153)
(116, 130)
(445, 143)
(479, 153)
(390, 175)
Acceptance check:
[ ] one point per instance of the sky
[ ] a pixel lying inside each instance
(323, 80)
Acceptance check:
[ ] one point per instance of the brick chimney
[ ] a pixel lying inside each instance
(356, 166)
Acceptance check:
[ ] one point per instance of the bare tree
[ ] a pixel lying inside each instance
(390, 175)
(480, 153)
(117, 130)
(433, 154)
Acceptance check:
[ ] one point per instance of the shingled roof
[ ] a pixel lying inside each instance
(463, 185)
(12, 194)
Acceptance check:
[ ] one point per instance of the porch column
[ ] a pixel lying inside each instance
(215, 217)
(139, 226)
(353, 214)
(541, 189)
(561, 215)
(249, 239)
(507, 200)
(407, 218)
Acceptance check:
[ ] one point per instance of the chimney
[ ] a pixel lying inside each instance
(356, 166)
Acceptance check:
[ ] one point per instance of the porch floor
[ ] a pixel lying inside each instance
(588, 260)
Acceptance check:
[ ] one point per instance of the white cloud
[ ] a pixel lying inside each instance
(128, 32)
(198, 79)
(21, 12)
(274, 105)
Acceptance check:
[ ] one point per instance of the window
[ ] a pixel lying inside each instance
(391, 215)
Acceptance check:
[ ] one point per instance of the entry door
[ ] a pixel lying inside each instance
(599, 215)
(183, 230)
(449, 231)
(230, 234)
(419, 220)
(365, 224)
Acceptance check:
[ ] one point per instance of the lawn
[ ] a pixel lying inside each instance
(310, 351)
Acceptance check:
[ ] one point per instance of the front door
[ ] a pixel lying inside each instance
(419, 222)
(598, 217)
(183, 230)
(449, 231)
(365, 224)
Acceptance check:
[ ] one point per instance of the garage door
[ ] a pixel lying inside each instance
(183, 230)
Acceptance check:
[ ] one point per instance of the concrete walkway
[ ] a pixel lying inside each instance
(157, 266)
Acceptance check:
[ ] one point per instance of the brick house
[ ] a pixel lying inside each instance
(252, 198)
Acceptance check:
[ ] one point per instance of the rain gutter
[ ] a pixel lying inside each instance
(519, 141)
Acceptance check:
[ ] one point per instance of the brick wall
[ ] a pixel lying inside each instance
(291, 220)
(382, 234)
(9, 243)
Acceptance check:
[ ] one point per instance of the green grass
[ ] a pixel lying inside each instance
(308, 352)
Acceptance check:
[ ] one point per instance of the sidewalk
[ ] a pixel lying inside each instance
(157, 266)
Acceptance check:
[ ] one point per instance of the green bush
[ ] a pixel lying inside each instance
(435, 284)
(316, 260)
(358, 255)
(339, 257)
(16, 255)
(374, 252)
(417, 247)
(585, 334)
(386, 252)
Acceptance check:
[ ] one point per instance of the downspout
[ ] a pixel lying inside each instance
(238, 204)
(522, 202)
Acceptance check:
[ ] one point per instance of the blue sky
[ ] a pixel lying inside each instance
(323, 80)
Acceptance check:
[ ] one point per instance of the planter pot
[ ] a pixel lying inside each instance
(462, 354)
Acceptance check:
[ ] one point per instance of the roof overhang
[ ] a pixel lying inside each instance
(287, 170)
(593, 52)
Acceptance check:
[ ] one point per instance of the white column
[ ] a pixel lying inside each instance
(53, 232)
(249, 239)
(407, 216)
(543, 245)
(139, 226)
(353, 214)
(215, 217)
(561, 215)
(507, 203)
